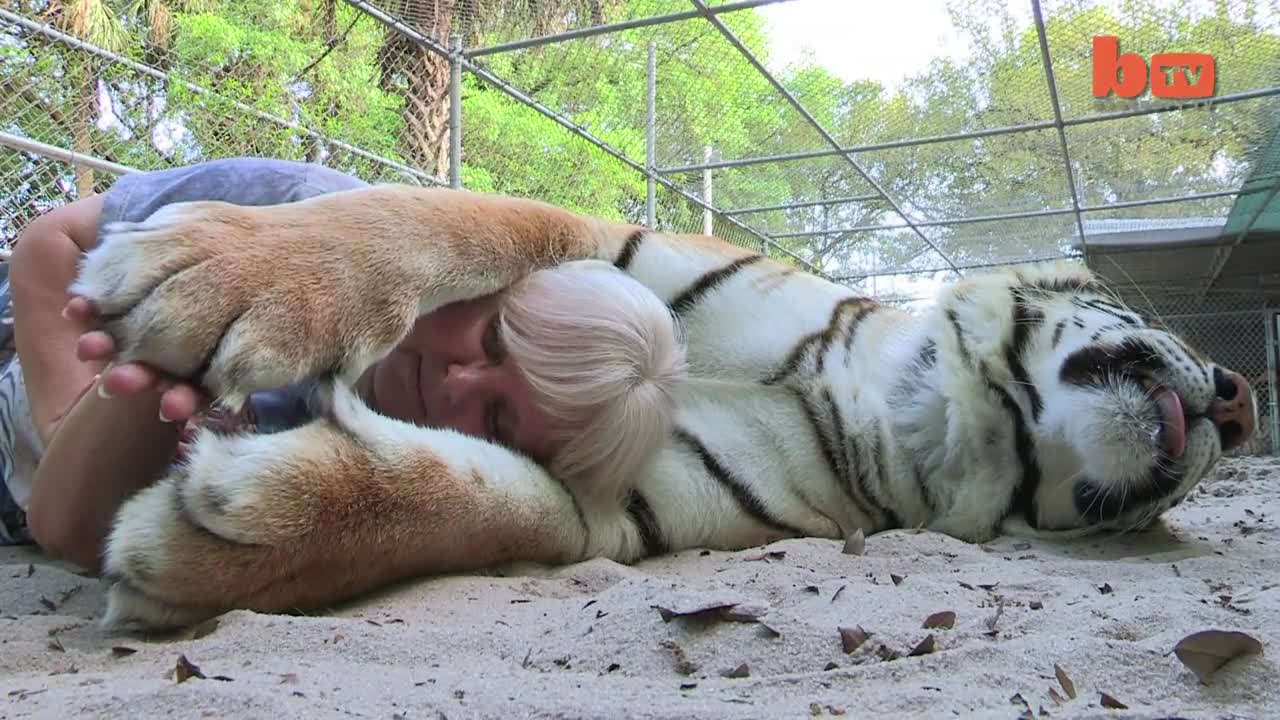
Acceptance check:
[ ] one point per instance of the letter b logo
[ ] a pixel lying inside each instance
(1126, 75)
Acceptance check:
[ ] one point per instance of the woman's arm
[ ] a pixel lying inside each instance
(98, 451)
(44, 264)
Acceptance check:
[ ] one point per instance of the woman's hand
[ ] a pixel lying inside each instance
(179, 401)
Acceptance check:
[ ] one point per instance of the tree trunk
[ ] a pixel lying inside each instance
(83, 116)
(423, 79)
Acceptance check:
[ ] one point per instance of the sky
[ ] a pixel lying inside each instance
(884, 41)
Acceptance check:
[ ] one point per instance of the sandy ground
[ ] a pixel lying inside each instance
(587, 641)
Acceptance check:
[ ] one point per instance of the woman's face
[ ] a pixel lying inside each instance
(452, 371)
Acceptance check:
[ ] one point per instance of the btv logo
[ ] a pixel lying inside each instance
(1173, 75)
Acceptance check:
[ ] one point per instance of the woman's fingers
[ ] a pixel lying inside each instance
(79, 309)
(179, 403)
(95, 346)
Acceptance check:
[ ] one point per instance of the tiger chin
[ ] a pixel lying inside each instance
(1026, 401)
(1038, 404)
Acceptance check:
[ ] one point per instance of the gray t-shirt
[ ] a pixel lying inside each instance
(133, 198)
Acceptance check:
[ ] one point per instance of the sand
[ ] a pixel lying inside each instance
(585, 641)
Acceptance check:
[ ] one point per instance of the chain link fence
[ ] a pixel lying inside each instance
(686, 115)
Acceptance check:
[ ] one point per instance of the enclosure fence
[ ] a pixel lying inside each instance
(671, 114)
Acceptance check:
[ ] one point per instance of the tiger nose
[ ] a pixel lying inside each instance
(1233, 411)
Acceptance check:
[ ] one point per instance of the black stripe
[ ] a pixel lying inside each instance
(629, 250)
(1118, 312)
(1090, 365)
(823, 338)
(954, 319)
(746, 499)
(1024, 495)
(882, 472)
(709, 281)
(647, 523)
(792, 363)
(1062, 285)
(1025, 319)
(1057, 332)
(855, 320)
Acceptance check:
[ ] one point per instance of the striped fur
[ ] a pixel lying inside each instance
(810, 411)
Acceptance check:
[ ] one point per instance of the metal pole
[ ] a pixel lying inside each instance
(1273, 357)
(651, 141)
(801, 204)
(616, 27)
(707, 220)
(1057, 121)
(455, 111)
(57, 153)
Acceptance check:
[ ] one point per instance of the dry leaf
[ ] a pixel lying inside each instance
(291, 678)
(48, 604)
(1105, 589)
(924, 647)
(771, 555)
(1035, 605)
(1205, 652)
(739, 672)
(1110, 702)
(897, 579)
(1056, 697)
(836, 594)
(831, 666)
(852, 638)
(1064, 680)
(185, 670)
(856, 544)
(56, 645)
(120, 651)
(944, 620)
(31, 569)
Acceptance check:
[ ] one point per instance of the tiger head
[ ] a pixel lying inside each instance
(1126, 417)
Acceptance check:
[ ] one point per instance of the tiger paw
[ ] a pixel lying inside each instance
(235, 299)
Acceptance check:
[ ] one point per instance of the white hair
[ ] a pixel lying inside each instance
(604, 355)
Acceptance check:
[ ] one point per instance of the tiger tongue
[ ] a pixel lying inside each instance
(1173, 425)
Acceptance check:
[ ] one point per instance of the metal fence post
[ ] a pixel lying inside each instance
(651, 141)
(1273, 347)
(455, 111)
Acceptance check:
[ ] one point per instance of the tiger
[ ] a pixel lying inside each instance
(1025, 401)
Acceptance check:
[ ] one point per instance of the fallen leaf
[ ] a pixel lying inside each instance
(1020, 546)
(812, 589)
(120, 651)
(185, 670)
(1105, 589)
(944, 620)
(739, 672)
(688, 686)
(1064, 680)
(56, 645)
(1205, 652)
(223, 678)
(855, 544)
(1056, 697)
(31, 569)
(1017, 699)
(291, 678)
(967, 586)
(852, 638)
(924, 647)
(1035, 605)
(897, 579)
(771, 555)
(1110, 702)
(612, 667)
(836, 594)
(887, 654)
(989, 586)
(831, 666)
(48, 604)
